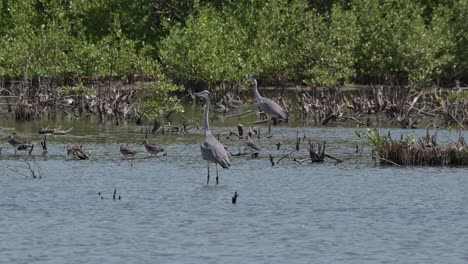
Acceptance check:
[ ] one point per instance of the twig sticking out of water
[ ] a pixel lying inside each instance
(35, 170)
(234, 198)
(114, 195)
(272, 161)
(240, 130)
(44, 145)
(285, 156)
(319, 155)
(278, 145)
(31, 149)
(298, 141)
(234, 133)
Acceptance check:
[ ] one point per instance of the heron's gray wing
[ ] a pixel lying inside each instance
(212, 150)
(271, 108)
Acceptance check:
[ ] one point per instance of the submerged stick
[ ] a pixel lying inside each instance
(272, 161)
(285, 156)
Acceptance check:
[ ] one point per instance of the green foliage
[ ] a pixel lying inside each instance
(206, 41)
(159, 99)
(250, 38)
(455, 97)
(50, 39)
(372, 137)
(330, 42)
(451, 21)
(202, 51)
(378, 141)
(395, 43)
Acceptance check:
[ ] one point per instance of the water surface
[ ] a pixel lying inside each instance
(351, 212)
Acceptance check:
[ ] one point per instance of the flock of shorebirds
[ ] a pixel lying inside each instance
(212, 150)
(79, 152)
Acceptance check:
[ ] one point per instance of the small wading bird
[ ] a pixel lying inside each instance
(152, 148)
(77, 151)
(268, 106)
(252, 145)
(211, 149)
(126, 150)
(17, 143)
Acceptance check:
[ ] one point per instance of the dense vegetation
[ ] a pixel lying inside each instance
(319, 42)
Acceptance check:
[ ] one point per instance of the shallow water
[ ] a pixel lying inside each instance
(352, 212)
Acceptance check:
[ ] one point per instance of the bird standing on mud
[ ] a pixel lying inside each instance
(252, 145)
(268, 106)
(126, 150)
(152, 148)
(17, 143)
(77, 151)
(211, 149)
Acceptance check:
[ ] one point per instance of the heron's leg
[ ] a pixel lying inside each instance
(217, 178)
(208, 179)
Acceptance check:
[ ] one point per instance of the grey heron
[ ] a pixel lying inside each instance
(211, 149)
(268, 106)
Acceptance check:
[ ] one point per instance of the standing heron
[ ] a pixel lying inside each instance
(268, 106)
(211, 149)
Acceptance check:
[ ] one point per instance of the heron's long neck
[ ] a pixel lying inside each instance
(257, 95)
(207, 109)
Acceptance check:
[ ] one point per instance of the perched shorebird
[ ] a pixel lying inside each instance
(17, 143)
(252, 145)
(268, 106)
(152, 148)
(211, 149)
(77, 151)
(126, 150)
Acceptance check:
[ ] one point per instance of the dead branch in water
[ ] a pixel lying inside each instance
(285, 156)
(54, 131)
(33, 171)
(425, 152)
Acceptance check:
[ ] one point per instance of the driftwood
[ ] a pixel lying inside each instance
(319, 155)
(54, 131)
